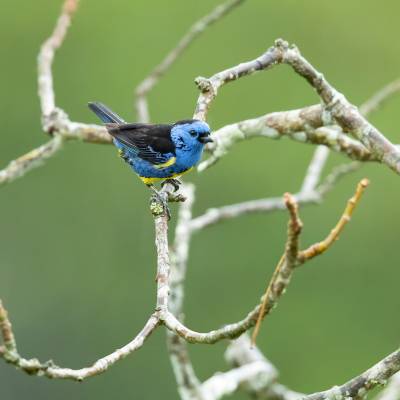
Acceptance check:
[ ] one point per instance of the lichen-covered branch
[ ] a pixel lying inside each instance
(215, 215)
(240, 353)
(344, 113)
(158, 72)
(392, 390)
(336, 105)
(380, 97)
(319, 248)
(33, 159)
(49, 369)
(305, 125)
(335, 125)
(46, 57)
(284, 270)
(10, 346)
(359, 386)
(225, 383)
(187, 381)
(54, 120)
(209, 86)
(276, 287)
(314, 170)
(293, 258)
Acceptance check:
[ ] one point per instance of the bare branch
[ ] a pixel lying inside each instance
(294, 258)
(360, 385)
(209, 86)
(188, 384)
(319, 248)
(54, 120)
(240, 353)
(161, 227)
(33, 159)
(305, 125)
(48, 369)
(215, 215)
(180, 252)
(314, 170)
(46, 57)
(7, 334)
(344, 113)
(278, 283)
(226, 383)
(284, 270)
(380, 97)
(392, 390)
(103, 364)
(195, 31)
(321, 154)
(335, 175)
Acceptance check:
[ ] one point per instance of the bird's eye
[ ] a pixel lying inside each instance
(193, 133)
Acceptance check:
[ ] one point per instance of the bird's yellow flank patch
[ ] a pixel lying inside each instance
(170, 162)
(149, 181)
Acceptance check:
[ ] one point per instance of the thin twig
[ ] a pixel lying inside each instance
(380, 97)
(342, 111)
(213, 216)
(279, 284)
(31, 160)
(320, 247)
(195, 31)
(6, 331)
(188, 384)
(359, 386)
(314, 170)
(284, 270)
(239, 353)
(46, 57)
(50, 370)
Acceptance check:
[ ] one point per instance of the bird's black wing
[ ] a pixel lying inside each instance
(150, 142)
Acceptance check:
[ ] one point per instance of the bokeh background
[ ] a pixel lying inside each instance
(76, 239)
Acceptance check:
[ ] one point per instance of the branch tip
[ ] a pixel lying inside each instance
(320, 247)
(70, 7)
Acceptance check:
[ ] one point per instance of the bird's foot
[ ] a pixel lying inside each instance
(159, 204)
(176, 183)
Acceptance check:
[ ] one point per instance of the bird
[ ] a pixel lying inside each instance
(156, 152)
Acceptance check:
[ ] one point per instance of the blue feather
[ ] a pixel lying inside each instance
(182, 152)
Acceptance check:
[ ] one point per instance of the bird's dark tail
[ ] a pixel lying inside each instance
(105, 114)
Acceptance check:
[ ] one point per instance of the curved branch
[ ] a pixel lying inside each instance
(34, 367)
(46, 57)
(195, 31)
(305, 125)
(278, 283)
(341, 110)
(215, 215)
(360, 385)
(31, 160)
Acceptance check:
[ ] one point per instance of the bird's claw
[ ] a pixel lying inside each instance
(174, 182)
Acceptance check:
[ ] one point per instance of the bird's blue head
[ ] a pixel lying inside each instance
(190, 135)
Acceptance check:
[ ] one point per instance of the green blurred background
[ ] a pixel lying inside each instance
(76, 239)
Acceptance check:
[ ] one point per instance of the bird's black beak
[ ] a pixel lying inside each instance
(205, 139)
